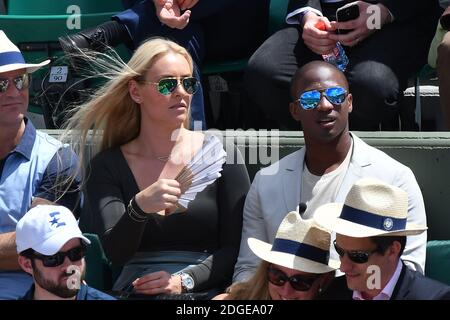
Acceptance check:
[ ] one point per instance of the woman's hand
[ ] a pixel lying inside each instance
(157, 283)
(363, 26)
(162, 195)
(316, 39)
(169, 13)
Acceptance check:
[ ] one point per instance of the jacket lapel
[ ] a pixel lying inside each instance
(292, 173)
(359, 159)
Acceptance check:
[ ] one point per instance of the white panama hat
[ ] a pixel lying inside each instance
(12, 59)
(299, 244)
(372, 208)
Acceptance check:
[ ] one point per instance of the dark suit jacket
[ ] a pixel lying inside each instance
(411, 285)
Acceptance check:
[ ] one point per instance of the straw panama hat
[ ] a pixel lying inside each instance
(11, 58)
(371, 208)
(299, 244)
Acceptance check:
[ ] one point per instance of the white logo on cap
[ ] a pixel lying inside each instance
(388, 224)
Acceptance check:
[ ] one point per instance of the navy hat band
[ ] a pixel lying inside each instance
(301, 250)
(372, 220)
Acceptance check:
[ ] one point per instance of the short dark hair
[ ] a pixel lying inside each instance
(384, 242)
(27, 253)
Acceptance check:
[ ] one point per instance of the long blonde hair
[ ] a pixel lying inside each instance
(111, 118)
(256, 288)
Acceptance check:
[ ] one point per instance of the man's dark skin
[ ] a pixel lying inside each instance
(325, 128)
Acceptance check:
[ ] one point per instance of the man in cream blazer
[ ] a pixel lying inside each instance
(332, 154)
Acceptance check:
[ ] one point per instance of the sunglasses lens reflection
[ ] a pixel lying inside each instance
(20, 83)
(311, 99)
(190, 85)
(167, 85)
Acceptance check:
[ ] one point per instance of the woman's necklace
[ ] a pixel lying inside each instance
(163, 158)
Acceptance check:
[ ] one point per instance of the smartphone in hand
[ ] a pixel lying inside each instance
(346, 13)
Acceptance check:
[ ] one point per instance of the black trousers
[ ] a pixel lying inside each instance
(378, 71)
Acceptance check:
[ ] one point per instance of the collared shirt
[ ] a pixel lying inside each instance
(85, 293)
(387, 291)
(31, 170)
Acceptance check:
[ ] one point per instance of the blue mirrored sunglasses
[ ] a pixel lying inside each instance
(310, 99)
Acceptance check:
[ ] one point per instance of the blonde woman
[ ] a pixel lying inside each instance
(295, 267)
(138, 119)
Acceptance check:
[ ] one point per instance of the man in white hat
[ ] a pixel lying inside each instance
(33, 165)
(51, 249)
(325, 169)
(296, 266)
(371, 229)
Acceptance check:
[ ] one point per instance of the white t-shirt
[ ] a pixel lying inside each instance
(318, 190)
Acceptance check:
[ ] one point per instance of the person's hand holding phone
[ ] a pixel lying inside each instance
(359, 29)
(316, 33)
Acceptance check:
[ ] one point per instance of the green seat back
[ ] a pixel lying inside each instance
(438, 260)
(56, 7)
(98, 271)
(277, 14)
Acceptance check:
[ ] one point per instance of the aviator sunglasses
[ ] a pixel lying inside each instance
(166, 86)
(310, 99)
(298, 282)
(74, 254)
(20, 82)
(357, 256)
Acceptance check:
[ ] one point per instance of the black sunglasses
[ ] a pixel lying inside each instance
(166, 86)
(20, 82)
(298, 282)
(74, 254)
(310, 99)
(357, 256)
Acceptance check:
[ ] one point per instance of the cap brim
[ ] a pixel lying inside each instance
(53, 244)
(263, 251)
(328, 214)
(29, 66)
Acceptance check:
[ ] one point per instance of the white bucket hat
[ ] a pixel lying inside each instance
(299, 244)
(11, 58)
(372, 208)
(46, 229)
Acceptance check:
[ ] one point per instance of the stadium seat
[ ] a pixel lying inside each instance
(98, 270)
(438, 260)
(59, 7)
(277, 14)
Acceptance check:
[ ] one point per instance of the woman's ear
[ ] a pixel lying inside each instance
(135, 92)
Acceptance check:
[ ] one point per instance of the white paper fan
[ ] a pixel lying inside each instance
(202, 170)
